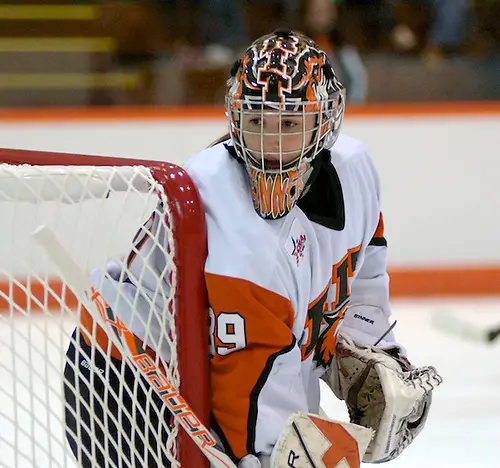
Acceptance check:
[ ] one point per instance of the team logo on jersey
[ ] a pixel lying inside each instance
(325, 315)
(299, 245)
(295, 243)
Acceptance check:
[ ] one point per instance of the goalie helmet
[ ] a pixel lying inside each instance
(284, 105)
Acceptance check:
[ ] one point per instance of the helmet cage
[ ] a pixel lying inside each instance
(276, 188)
(316, 125)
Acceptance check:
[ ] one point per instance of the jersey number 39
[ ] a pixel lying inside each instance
(227, 333)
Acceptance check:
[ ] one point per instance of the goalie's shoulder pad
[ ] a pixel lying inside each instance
(384, 393)
(310, 441)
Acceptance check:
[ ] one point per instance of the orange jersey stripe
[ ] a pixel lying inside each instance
(237, 377)
(378, 238)
(379, 232)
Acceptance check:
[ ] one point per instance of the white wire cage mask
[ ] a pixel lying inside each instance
(277, 143)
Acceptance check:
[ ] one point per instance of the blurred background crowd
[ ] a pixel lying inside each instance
(160, 52)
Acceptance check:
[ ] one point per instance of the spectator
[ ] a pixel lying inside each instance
(449, 27)
(447, 32)
(218, 30)
(224, 30)
(321, 24)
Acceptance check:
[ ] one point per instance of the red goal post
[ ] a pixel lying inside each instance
(22, 292)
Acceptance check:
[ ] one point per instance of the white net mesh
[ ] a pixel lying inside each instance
(85, 406)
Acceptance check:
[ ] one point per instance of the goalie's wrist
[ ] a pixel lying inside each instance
(364, 339)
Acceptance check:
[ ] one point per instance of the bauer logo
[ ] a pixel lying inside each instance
(91, 367)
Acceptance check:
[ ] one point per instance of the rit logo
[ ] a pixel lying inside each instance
(274, 73)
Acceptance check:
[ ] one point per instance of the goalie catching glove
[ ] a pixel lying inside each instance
(383, 392)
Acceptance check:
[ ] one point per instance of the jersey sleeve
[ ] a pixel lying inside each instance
(368, 317)
(255, 367)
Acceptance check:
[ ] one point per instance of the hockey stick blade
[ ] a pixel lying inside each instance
(129, 346)
(493, 334)
(454, 325)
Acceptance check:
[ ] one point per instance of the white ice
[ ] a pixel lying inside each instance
(462, 430)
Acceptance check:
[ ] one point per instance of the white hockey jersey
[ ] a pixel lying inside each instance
(278, 290)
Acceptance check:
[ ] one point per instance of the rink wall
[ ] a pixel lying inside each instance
(439, 166)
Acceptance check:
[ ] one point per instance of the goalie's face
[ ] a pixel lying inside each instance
(274, 140)
(277, 148)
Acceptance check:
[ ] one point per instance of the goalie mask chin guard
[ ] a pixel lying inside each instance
(284, 105)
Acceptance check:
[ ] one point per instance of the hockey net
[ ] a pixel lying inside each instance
(99, 209)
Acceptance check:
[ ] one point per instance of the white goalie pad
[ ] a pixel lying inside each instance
(310, 441)
(382, 394)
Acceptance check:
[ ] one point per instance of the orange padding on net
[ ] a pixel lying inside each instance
(31, 295)
(216, 112)
(440, 281)
(415, 282)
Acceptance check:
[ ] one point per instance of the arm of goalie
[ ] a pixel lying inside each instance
(310, 441)
(384, 392)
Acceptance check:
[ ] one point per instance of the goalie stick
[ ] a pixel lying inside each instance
(129, 346)
(455, 325)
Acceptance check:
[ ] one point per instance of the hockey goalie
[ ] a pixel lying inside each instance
(296, 279)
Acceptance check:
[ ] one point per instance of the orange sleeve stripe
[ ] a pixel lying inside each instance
(378, 238)
(237, 378)
(379, 232)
